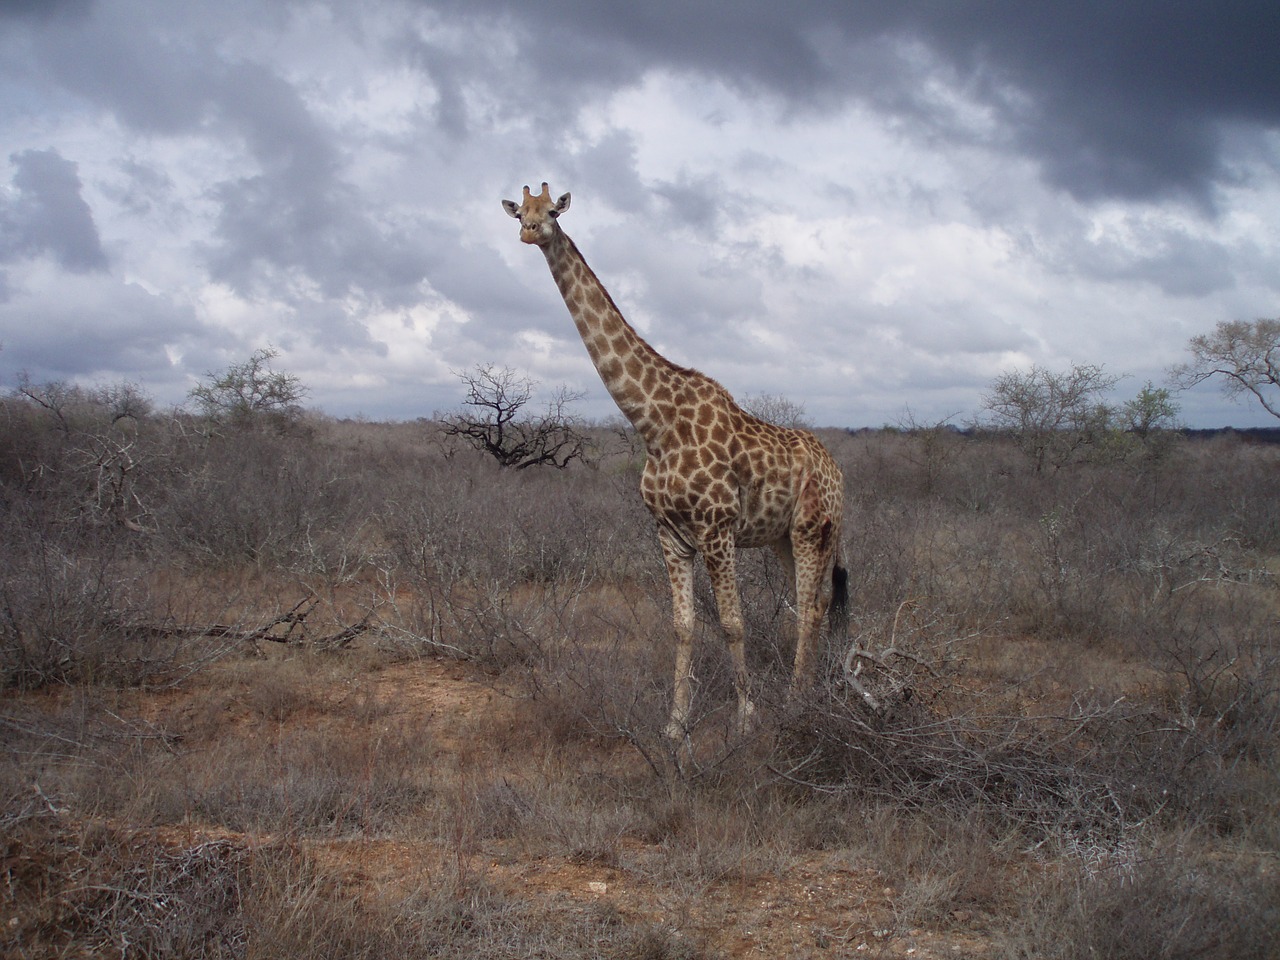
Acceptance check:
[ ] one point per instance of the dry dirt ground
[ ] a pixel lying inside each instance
(811, 907)
(801, 905)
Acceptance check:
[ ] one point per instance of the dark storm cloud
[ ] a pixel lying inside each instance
(142, 187)
(694, 202)
(47, 214)
(608, 168)
(299, 212)
(1125, 99)
(120, 62)
(1179, 264)
(94, 326)
(42, 9)
(446, 69)
(336, 168)
(1128, 99)
(273, 224)
(296, 212)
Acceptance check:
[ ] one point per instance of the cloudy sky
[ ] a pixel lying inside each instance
(872, 207)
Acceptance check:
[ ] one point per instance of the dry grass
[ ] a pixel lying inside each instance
(1061, 738)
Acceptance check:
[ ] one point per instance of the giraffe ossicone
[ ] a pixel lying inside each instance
(715, 477)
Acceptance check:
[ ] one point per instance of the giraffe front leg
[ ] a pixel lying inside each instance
(679, 563)
(722, 569)
(682, 691)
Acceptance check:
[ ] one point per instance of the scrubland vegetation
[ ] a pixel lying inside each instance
(1053, 731)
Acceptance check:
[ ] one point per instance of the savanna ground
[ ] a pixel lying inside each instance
(340, 690)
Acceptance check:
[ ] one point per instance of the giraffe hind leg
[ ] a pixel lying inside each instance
(815, 543)
(813, 594)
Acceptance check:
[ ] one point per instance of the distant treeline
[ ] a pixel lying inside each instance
(1247, 434)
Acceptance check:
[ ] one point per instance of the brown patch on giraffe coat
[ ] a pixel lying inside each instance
(629, 393)
(611, 325)
(824, 535)
(718, 452)
(700, 482)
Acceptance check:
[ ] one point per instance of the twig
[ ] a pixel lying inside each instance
(53, 808)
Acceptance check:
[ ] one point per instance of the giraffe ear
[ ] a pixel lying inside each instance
(561, 205)
(511, 208)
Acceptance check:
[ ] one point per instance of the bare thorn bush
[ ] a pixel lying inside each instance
(1052, 679)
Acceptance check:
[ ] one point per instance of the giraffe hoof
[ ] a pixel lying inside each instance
(746, 717)
(675, 731)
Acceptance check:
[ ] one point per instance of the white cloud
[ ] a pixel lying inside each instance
(865, 219)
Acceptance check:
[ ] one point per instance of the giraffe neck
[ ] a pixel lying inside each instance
(631, 369)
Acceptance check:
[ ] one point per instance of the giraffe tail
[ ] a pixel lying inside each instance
(838, 610)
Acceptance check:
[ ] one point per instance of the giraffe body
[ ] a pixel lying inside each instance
(715, 478)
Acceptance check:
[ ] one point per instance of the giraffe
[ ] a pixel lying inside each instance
(715, 477)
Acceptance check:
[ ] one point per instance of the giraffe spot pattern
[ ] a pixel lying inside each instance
(715, 477)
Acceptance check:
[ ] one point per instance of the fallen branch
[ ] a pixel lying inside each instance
(294, 622)
(857, 655)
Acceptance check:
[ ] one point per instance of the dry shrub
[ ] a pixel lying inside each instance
(1172, 906)
(115, 894)
(277, 501)
(321, 780)
(1216, 649)
(939, 862)
(468, 520)
(727, 830)
(258, 750)
(73, 609)
(112, 893)
(933, 748)
(1125, 683)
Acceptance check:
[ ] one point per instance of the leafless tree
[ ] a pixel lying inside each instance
(776, 409)
(58, 398)
(1246, 354)
(251, 394)
(1051, 415)
(123, 401)
(98, 452)
(494, 419)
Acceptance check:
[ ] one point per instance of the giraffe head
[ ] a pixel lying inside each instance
(537, 215)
